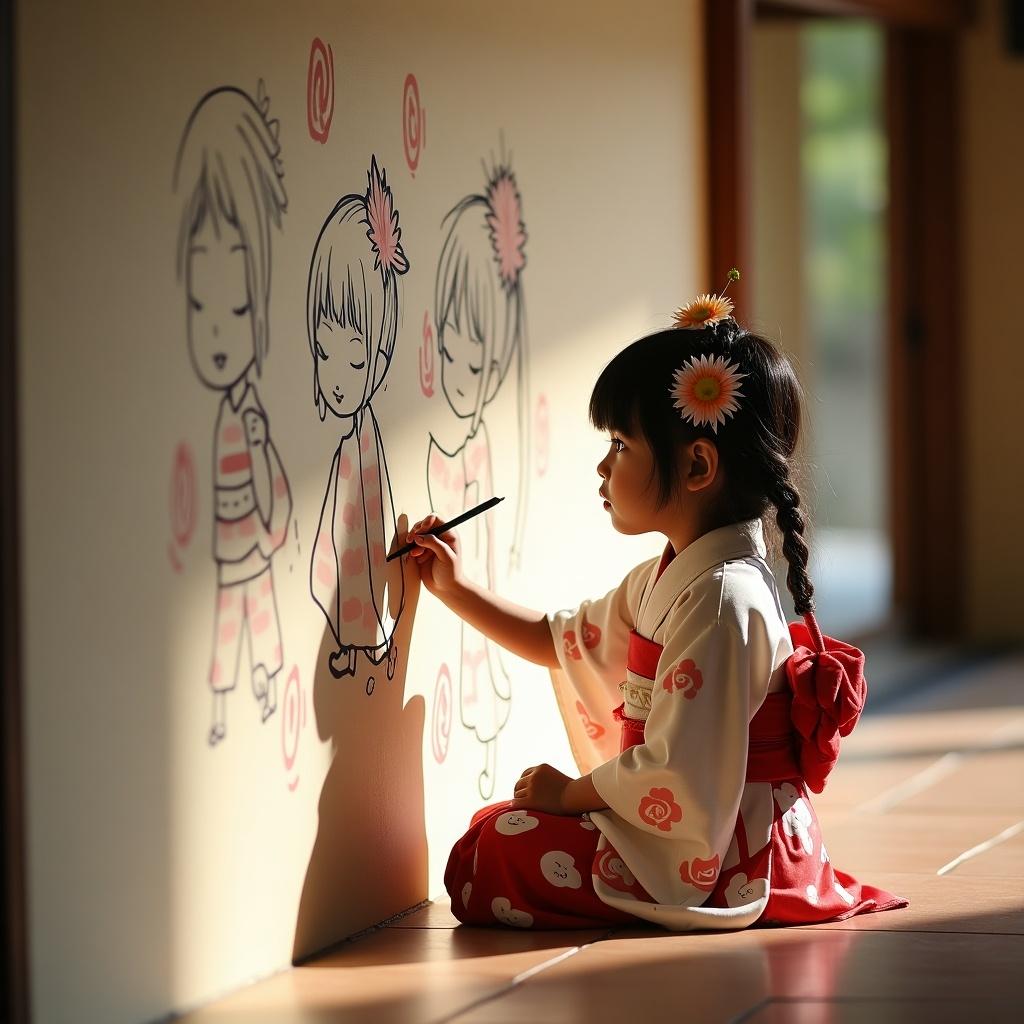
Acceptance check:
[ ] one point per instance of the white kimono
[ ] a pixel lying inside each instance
(679, 809)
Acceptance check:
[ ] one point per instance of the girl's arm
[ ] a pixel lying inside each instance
(522, 631)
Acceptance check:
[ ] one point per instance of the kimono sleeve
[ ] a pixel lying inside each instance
(685, 781)
(591, 643)
(270, 484)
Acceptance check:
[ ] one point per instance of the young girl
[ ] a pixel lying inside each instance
(480, 321)
(352, 323)
(692, 810)
(230, 171)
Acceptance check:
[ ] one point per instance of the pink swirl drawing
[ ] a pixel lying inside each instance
(320, 91)
(427, 358)
(183, 502)
(543, 435)
(414, 123)
(442, 722)
(293, 718)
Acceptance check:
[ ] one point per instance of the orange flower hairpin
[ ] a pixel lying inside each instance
(707, 309)
(705, 388)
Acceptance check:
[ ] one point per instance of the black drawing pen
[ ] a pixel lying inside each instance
(441, 527)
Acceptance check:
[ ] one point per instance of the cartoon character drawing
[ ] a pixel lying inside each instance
(230, 173)
(353, 313)
(480, 325)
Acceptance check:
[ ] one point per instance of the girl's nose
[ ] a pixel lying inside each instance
(602, 470)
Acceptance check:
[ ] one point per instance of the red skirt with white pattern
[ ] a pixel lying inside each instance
(529, 869)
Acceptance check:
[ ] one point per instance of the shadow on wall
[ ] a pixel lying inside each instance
(369, 858)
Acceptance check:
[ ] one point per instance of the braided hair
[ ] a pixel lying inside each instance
(755, 445)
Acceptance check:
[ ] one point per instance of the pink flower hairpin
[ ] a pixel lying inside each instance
(382, 220)
(505, 224)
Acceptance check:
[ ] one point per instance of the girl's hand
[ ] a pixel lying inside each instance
(541, 789)
(436, 558)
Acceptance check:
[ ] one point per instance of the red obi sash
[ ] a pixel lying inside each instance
(796, 732)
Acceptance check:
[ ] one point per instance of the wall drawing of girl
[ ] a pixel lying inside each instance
(352, 324)
(480, 326)
(230, 174)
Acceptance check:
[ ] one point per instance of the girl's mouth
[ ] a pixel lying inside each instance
(219, 359)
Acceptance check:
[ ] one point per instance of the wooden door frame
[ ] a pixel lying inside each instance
(925, 332)
(14, 1001)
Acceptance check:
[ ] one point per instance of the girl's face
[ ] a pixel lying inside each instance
(629, 484)
(462, 364)
(342, 367)
(220, 340)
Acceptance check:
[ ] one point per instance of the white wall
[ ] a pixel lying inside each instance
(164, 871)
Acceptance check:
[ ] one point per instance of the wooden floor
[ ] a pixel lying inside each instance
(928, 801)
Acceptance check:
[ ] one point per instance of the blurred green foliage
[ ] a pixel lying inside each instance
(844, 166)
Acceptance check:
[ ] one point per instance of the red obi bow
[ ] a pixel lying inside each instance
(827, 680)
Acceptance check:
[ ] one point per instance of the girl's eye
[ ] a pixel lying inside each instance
(617, 445)
(475, 369)
(241, 310)
(195, 304)
(358, 366)
(320, 353)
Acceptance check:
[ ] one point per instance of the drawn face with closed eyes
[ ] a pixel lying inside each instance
(220, 328)
(462, 369)
(342, 361)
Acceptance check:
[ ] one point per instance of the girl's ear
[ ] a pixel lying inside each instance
(703, 464)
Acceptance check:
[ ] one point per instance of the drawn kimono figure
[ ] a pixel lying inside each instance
(230, 173)
(480, 329)
(353, 307)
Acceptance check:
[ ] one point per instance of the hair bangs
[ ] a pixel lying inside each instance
(613, 404)
(341, 298)
(338, 289)
(466, 298)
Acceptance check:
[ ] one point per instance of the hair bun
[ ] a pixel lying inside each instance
(726, 331)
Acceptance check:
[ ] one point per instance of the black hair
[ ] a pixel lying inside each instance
(755, 444)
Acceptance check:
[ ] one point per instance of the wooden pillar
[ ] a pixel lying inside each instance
(728, 25)
(927, 390)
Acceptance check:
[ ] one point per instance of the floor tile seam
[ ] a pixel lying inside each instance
(911, 1000)
(425, 928)
(912, 685)
(749, 1012)
(919, 782)
(940, 768)
(941, 812)
(519, 979)
(983, 847)
(355, 937)
(907, 931)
